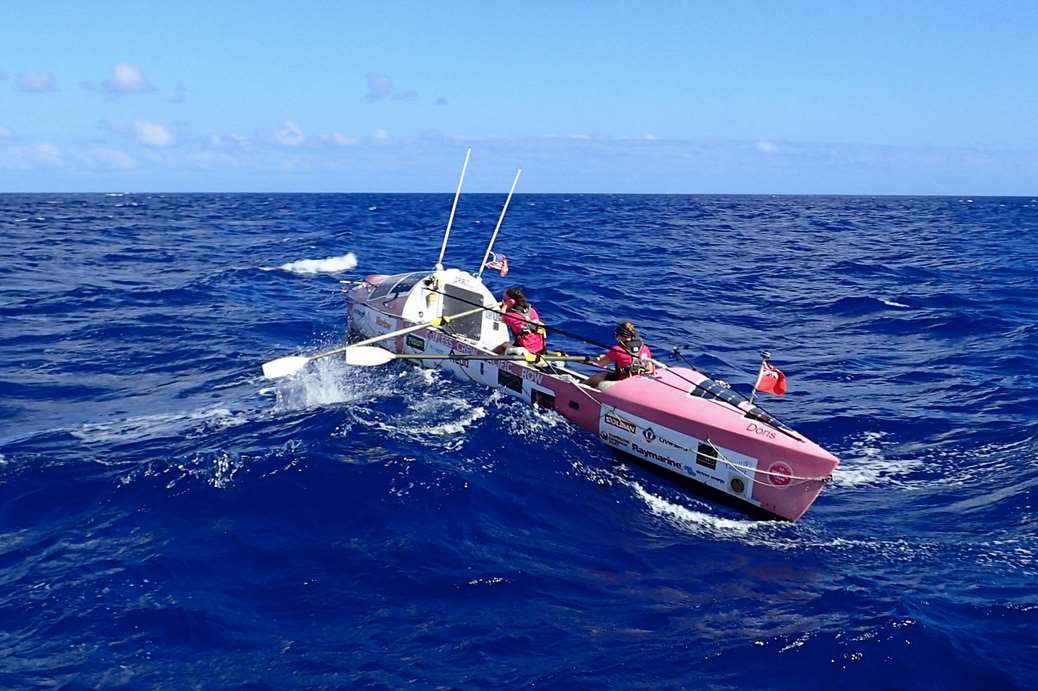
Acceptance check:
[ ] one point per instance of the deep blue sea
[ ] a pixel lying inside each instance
(169, 519)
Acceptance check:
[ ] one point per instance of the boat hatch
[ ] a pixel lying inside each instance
(459, 300)
(708, 388)
(395, 285)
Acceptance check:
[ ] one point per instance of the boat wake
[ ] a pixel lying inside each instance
(696, 522)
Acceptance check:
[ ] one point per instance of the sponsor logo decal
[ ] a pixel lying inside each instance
(651, 436)
(658, 457)
(614, 439)
(625, 425)
(782, 474)
(383, 323)
(416, 342)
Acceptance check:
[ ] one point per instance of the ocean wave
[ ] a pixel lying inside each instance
(131, 429)
(328, 265)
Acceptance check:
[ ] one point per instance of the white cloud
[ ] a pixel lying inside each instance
(112, 159)
(152, 134)
(126, 79)
(380, 135)
(290, 134)
(340, 139)
(48, 154)
(227, 141)
(379, 86)
(36, 82)
(767, 147)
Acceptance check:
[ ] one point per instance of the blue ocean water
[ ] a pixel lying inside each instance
(169, 519)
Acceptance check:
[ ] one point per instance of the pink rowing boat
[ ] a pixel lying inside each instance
(676, 418)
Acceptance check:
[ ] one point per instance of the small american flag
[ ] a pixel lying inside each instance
(498, 263)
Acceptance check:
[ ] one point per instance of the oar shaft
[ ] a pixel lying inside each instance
(460, 356)
(393, 334)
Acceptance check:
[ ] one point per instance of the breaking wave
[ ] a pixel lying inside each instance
(329, 265)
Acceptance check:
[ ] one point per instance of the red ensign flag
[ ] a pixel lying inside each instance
(771, 380)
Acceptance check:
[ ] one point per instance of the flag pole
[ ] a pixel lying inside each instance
(501, 218)
(454, 207)
(764, 354)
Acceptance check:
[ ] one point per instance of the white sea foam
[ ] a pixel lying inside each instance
(433, 417)
(891, 303)
(695, 521)
(329, 265)
(531, 422)
(324, 382)
(159, 425)
(866, 464)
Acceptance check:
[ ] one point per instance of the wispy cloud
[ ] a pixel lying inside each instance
(290, 134)
(378, 161)
(767, 147)
(379, 86)
(339, 139)
(153, 134)
(47, 154)
(36, 82)
(126, 79)
(108, 159)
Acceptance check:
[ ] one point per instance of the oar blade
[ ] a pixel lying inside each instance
(284, 366)
(367, 356)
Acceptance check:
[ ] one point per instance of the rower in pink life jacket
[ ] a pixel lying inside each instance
(630, 356)
(524, 323)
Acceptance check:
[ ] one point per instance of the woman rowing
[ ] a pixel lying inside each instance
(630, 356)
(522, 320)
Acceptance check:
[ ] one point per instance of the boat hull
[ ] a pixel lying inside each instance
(663, 418)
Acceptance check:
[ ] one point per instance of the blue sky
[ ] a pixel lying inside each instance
(677, 97)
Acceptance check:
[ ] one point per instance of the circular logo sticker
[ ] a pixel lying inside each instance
(780, 474)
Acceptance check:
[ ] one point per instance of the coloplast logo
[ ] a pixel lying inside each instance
(649, 434)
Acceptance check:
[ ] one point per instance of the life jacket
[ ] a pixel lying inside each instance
(634, 348)
(531, 326)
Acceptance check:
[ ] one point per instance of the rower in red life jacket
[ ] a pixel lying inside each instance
(524, 323)
(630, 356)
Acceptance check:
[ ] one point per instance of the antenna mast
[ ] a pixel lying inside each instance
(450, 221)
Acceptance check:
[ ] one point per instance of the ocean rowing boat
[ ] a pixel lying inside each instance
(676, 418)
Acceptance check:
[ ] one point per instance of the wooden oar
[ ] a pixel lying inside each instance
(370, 356)
(284, 366)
